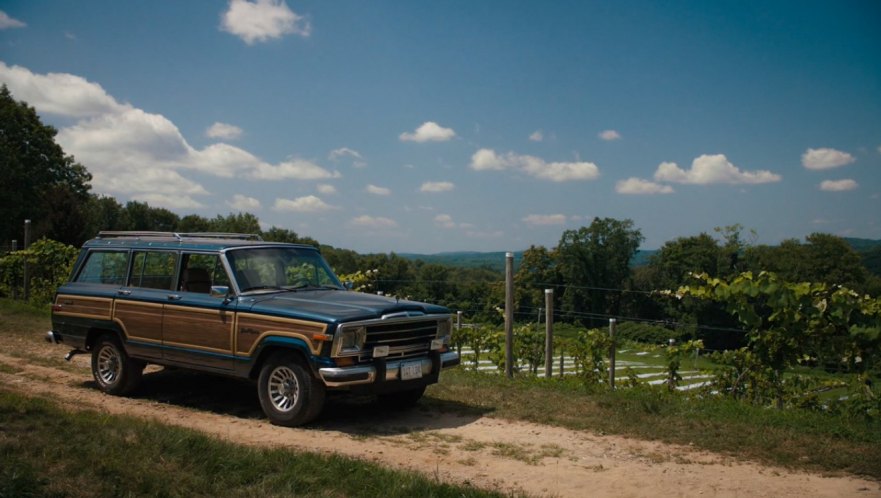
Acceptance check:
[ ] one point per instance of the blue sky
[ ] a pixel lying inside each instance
(463, 125)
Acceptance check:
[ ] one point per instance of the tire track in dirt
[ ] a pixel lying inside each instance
(447, 445)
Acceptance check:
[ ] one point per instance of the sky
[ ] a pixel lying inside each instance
(428, 127)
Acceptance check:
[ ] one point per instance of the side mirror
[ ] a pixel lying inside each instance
(349, 285)
(221, 291)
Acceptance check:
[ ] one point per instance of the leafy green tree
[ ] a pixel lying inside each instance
(593, 261)
(537, 271)
(40, 182)
(235, 223)
(140, 216)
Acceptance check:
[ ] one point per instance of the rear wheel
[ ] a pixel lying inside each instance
(288, 394)
(113, 370)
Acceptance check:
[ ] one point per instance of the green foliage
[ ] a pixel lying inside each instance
(789, 324)
(529, 346)
(674, 353)
(648, 333)
(40, 182)
(594, 258)
(361, 281)
(590, 350)
(49, 265)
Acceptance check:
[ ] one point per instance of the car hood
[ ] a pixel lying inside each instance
(334, 306)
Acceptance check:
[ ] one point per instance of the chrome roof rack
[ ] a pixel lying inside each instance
(179, 235)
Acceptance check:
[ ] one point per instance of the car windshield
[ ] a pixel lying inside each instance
(280, 268)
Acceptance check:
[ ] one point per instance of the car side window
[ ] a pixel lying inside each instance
(104, 267)
(153, 269)
(199, 272)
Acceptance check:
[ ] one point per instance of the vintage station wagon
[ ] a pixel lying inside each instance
(235, 305)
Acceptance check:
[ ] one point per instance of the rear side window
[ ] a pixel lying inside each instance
(104, 267)
(153, 269)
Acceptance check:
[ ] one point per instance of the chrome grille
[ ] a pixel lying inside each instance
(405, 339)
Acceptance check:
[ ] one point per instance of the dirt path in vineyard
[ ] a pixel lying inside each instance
(442, 443)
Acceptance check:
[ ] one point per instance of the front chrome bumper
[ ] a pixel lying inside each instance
(367, 374)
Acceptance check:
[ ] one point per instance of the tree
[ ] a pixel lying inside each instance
(40, 182)
(537, 271)
(594, 263)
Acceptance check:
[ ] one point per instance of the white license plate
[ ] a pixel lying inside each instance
(412, 370)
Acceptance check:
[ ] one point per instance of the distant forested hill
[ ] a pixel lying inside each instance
(494, 260)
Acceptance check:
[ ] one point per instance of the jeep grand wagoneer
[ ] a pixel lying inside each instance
(235, 305)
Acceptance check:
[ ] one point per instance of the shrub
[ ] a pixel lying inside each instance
(49, 265)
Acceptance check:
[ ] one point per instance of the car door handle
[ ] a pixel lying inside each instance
(174, 297)
(124, 292)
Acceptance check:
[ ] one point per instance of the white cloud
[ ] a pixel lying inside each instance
(326, 189)
(374, 222)
(838, 185)
(544, 219)
(59, 93)
(711, 169)
(537, 136)
(343, 152)
(488, 159)
(373, 189)
(428, 132)
(825, 158)
(296, 169)
(7, 22)
(444, 221)
(262, 20)
(223, 131)
(638, 186)
(168, 201)
(241, 202)
(134, 153)
(307, 204)
(609, 135)
(437, 187)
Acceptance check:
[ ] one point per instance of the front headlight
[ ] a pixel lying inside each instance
(349, 341)
(445, 329)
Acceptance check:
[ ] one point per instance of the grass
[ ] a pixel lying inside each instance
(48, 452)
(799, 439)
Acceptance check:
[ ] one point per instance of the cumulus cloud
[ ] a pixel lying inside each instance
(428, 132)
(712, 169)
(373, 189)
(241, 202)
(59, 93)
(544, 219)
(638, 186)
(437, 187)
(223, 131)
(537, 136)
(488, 159)
(609, 135)
(374, 222)
(307, 204)
(7, 22)
(135, 153)
(838, 185)
(444, 221)
(263, 20)
(293, 169)
(825, 158)
(326, 189)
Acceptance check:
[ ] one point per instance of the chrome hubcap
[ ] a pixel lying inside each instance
(108, 365)
(284, 389)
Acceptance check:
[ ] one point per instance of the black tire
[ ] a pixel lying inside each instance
(402, 400)
(289, 394)
(113, 370)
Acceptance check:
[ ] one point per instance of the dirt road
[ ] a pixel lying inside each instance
(439, 441)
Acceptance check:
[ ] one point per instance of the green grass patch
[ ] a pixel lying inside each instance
(802, 439)
(47, 452)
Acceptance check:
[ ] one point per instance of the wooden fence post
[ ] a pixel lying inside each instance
(549, 332)
(509, 314)
(612, 324)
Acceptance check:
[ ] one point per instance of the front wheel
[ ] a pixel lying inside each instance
(288, 394)
(113, 370)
